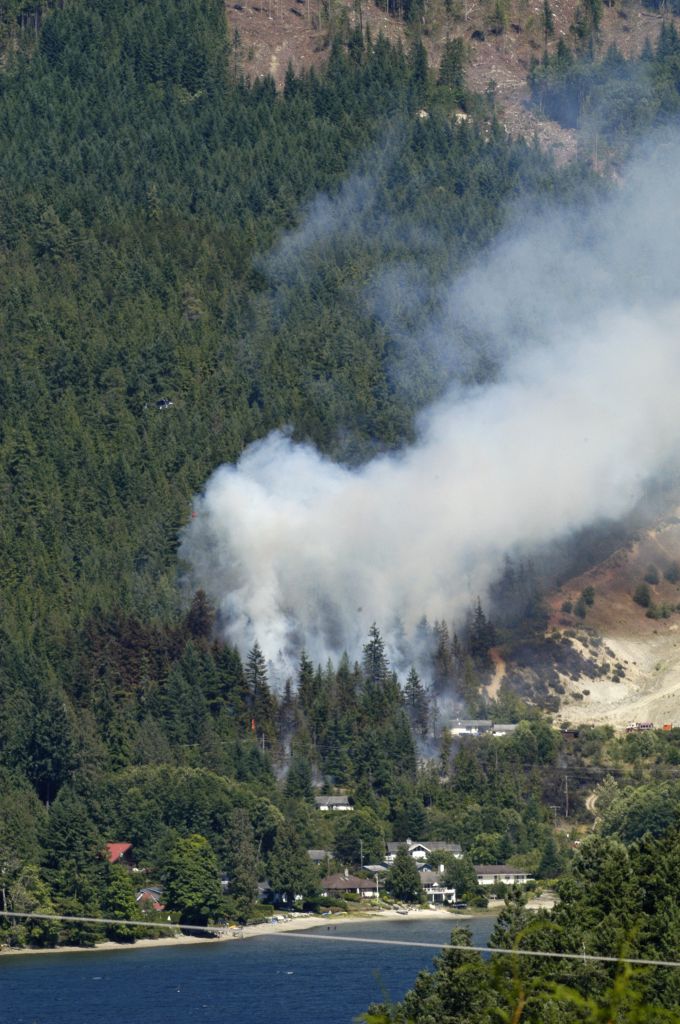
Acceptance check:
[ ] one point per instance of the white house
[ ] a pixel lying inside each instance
(490, 874)
(481, 727)
(472, 727)
(332, 803)
(435, 888)
(424, 851)
(503, 729)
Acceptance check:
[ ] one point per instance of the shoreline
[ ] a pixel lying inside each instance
(251, 931)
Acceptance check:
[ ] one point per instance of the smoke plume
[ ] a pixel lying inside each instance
(581, 313)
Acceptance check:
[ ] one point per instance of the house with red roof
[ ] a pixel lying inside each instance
(119, 853)
(149, 898)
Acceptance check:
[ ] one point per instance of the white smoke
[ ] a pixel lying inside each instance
(583, 315)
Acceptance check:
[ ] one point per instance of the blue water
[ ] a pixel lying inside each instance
(284, 979)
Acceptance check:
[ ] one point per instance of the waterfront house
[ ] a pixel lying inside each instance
(343, 884)
(491, 874)
(149, 898)
(436, 890)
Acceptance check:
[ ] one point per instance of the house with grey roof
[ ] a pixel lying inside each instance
(436, 889)
(320, 856)
(491, 874)
(503, 728)
(326, 802)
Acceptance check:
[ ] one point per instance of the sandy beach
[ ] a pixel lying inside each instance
(284, 924)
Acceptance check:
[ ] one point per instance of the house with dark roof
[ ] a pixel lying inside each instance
(344, 884)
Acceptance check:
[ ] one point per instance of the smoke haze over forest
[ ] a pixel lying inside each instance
(578, 313)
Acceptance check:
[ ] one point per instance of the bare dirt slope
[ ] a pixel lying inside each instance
(639, 657)
(270, 34)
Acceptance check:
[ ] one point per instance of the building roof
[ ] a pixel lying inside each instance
(151, 895)
(434, 878)
(332, 800)
(117, 850)
(153, 890)
(340, 881)
(318, 856)
(498, 869)
(431, 845)
(473, 723)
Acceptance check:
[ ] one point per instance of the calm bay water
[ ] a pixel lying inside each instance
(268, 980)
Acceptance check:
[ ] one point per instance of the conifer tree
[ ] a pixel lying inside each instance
(403, 880)
(376, 666)
(291, 873)
(416, 703)
(262, 702)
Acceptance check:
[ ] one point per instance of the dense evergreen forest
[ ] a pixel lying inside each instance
(613, 893)
(142, 187)
(150, 330)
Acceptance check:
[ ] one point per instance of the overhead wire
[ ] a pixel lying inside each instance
(216, 931)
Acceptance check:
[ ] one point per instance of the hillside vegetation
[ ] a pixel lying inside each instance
(148, 335)
(502, 40)
(154, 323)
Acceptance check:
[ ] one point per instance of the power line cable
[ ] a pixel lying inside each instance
(113, 920)
(216, 931)
(640, 961)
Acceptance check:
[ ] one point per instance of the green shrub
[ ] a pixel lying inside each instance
(672, 573)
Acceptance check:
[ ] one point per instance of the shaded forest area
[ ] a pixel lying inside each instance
(610, 99)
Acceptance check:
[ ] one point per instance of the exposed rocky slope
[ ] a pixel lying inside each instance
(271, 34)
(620, 661)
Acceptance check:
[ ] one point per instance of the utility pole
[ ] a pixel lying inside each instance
(566, 796)
(553, 808)
(361, 853)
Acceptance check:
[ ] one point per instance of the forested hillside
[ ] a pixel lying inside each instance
(140, 197)
(155, 321)
(147, 336)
